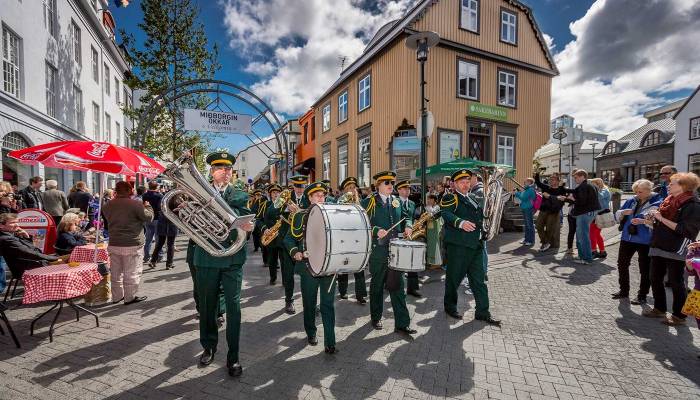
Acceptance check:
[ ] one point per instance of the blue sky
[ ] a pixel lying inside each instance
(606, 94)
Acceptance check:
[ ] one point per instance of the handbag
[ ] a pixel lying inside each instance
(605, 220)
(692, 304)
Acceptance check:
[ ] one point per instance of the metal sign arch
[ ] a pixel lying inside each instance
(167, 99)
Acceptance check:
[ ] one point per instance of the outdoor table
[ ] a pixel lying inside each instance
(86, 253)
(61, 284)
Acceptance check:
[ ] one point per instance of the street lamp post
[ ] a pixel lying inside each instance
(593, 159)
(559, 135)
(422, 42)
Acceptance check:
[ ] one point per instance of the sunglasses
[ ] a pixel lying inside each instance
(389, 182)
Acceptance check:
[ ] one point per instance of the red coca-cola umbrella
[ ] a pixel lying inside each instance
(90, 156)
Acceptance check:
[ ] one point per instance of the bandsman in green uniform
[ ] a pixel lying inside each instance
(464, 215)
(349, 185)
(255, 204)
(404, 190)
(329, 197)
(262, 204)
(274, 249)
(384, 210)
(226, 272)
(310, 285)
(296, 203)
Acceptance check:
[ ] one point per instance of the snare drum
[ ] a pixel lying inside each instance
(406, 255)
(338, 239)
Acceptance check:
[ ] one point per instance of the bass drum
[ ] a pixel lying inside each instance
(338, 239)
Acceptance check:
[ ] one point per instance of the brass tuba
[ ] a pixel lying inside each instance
(199, 211)
(494, 200)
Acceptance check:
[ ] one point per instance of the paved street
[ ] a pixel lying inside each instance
(562, 337)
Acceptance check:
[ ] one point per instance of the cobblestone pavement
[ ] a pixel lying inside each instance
(562, 337)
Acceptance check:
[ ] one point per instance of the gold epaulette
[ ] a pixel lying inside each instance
(448, 201)
(371, 204)
(295, 228)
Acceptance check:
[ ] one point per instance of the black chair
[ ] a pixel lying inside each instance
(4, 319)
(17, 268)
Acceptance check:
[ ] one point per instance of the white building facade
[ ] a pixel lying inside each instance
(62, 79)
(573, 156)
(252, 162)
(686, 148)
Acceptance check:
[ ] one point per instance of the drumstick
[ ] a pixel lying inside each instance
(395, 225)
(332, 282)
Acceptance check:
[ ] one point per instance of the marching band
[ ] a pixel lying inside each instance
(304, 230)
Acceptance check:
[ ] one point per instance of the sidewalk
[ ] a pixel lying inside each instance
(562, 338)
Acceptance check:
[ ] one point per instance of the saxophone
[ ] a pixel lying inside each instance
(420, 226)
(270, 234)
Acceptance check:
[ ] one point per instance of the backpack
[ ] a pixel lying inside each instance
(537, 202)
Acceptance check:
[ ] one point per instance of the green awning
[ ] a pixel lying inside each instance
(448, 168)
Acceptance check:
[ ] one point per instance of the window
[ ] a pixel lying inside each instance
(108, 128)
(506, 150)
(50, 16)
(468, 79)
(651, 171)
(326, 117)
(651, 139)
(51, 73)
(75, 39)
(94, 57)
(611, 148)
(106, 72)
(117, 133)
(96, 120)
(10, 62)
(469, 17)
(326, 162)
(93, 3)
(364, 98)
(77, 108)
(125, 96)
(509, 27)
(306, 133)
(343, 107)
(116, 89)
(507, 82)
(694, 163)
(342, 160)
(695, 128)
(363, 161)
(243, 174)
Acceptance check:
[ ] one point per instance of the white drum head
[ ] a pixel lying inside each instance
(316, 238)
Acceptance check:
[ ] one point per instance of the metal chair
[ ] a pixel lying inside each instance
(4, 319)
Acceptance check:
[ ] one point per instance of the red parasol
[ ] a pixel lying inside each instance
(90, 156)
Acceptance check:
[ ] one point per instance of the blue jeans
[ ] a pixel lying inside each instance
(529, 220)
(151, 228)
(3, 268)
(583, 241)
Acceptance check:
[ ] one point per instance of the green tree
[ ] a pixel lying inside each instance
(174, 50)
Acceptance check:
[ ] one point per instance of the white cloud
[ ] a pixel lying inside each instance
(306, 40)
(550, 42)
(627, 57)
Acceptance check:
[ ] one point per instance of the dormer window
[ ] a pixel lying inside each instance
(611, 148)
(652, 138)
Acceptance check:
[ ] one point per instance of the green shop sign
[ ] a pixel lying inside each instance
(488, 112)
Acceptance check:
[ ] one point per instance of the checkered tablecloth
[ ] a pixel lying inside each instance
(86, 253)
(59, 282)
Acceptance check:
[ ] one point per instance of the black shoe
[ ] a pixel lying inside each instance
(639, 301)
(330, 350)
(234, 370)
(273, 281)
(312, 340)
(220, 321)
(490, 320)
(486, 278)
(151, 265)
(377, 324)
(620, 295)
(361, 300)
(136, 299)
(117, 301)
(454, 314)
(406, 330)
(602, 254)
(343, 296)
(207, 357)
(289, 308)
(414, 293)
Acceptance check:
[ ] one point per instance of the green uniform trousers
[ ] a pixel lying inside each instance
(360, 284)
(376, 296)
(209, 280)
(274, 259)
(287, 276)
(310, 287)
(463, 261)
(222, 301)
(412, 281)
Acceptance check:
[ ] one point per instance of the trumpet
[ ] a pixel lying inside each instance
(270, 234)
(282, 199)
(420, 227)
(349, 198)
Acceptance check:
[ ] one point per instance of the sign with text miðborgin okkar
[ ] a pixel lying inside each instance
(488, 112)
(216, 121)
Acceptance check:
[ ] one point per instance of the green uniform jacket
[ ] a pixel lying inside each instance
(380, 218)
(272, 214)
(456, 208)
(260, 210)
(410, 208)
(294, 239)
(330, 200)
(237, 200)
